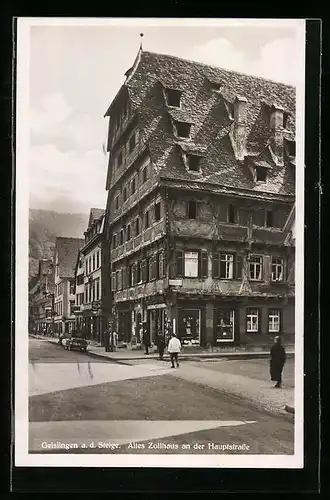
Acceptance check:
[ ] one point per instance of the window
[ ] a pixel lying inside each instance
(121, 239)
(116, 202)
(261, 174)
(285, 120)
(226, 266)
(144, 271)
(191, 264)
(204, 265)
(145, 174)
(160, 265)
(113, 281)
(139, 272)
(192, 209)
(277, 269)
(146, 219)
(269, 218)
(232, 214)
(80, 279)
(128, 232)
(152, 267)
(193, 163)
(125, 194)
(90, 264)
(97, 259)
(274, 321)
(137, 226)
(72, 287)
(133, 186)
(157, 211)
(256, 267)
(292, 148)
(252, 320)
(97, 289)
(215, 85)
(183, 129)
(93, 261)
(179, 271)
(120, 159)
(86, 294)
(173, 97)
(132, 143)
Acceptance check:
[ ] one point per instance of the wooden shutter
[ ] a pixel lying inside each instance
(238, 264)
(179, 262)
(216, 265)
(203, 264)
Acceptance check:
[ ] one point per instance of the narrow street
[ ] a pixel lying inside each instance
(83, 404)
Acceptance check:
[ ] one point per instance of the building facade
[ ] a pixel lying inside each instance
(41, 297)
(65, 256)
(92, 253)
(201, 182)
(79, 293)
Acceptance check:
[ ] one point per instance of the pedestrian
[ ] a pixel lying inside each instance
(146, 337)
(174, 347)
(114, 341)
(106, 340)
(277, 360)
(161, 344)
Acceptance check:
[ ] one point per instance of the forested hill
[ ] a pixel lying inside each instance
(44, 226)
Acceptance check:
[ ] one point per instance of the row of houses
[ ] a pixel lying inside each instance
(197, 236)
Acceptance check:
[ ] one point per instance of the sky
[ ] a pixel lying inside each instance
(76, 71)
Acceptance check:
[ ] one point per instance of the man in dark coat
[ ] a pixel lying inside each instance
(161, 344)
(146, 337)
(277, 360)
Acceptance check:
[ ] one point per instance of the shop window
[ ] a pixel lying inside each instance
(274, 320)
(192, 209)
(157, 211)
(277, 268)
(173, 97)
(252, 320)
(224, 325)
(189, 326)
(255, 267)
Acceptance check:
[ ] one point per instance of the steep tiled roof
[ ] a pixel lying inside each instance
(95, 214)
(210, 113)
(67, 249)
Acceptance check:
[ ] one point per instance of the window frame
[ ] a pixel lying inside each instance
(249, 314)
(197, 158)
(156, 208)
(174, 92)
(258, 171)
(277, 265)
(279, 316)
(232, 213)
(190, 204)
(251, 256)
(197, 261)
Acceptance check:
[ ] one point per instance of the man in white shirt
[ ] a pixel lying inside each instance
(174, 347)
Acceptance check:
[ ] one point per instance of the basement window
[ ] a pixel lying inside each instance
(261, 174)
(183, 129)
(192, 209)
(173, 97)
(194, 163)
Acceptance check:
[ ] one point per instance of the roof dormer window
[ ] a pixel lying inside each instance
(193, 162)
(173, 97)
(261, 174)
(183, 129)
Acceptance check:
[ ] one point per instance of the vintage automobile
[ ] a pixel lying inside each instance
(63, 337)
(75, 343)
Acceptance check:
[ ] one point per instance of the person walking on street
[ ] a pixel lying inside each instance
(277, 361)
(146, 337)
(161, 345)
(174, 347)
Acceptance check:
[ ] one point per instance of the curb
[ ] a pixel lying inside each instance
(289, 409)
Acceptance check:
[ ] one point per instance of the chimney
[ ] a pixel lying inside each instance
(276, 131)
(239, 127)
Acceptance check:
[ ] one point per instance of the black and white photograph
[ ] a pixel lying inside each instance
(159, 242)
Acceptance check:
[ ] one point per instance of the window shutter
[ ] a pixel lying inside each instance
(238, 267)
(179, 262)
(203, 264)
(113, 276)
(157, 259)
(216, 265)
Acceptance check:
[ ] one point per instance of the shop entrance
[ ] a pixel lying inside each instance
(224, 325)
(157, 320)
(124, 326)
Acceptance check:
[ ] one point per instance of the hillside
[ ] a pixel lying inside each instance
(44, 226)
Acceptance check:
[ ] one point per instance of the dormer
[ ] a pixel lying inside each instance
(173, 97)
(182, 130)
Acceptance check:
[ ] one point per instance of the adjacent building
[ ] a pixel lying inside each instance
(201, 182)
(94, 319)
(41, 297)
(65, 256)
(79, 292)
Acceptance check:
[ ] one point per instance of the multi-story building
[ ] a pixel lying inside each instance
(41, 298)
(92, 252)
(79, 292)
(65, 255)
(201, 180)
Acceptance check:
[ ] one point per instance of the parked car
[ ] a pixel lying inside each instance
(63, 337)
(76, 343)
